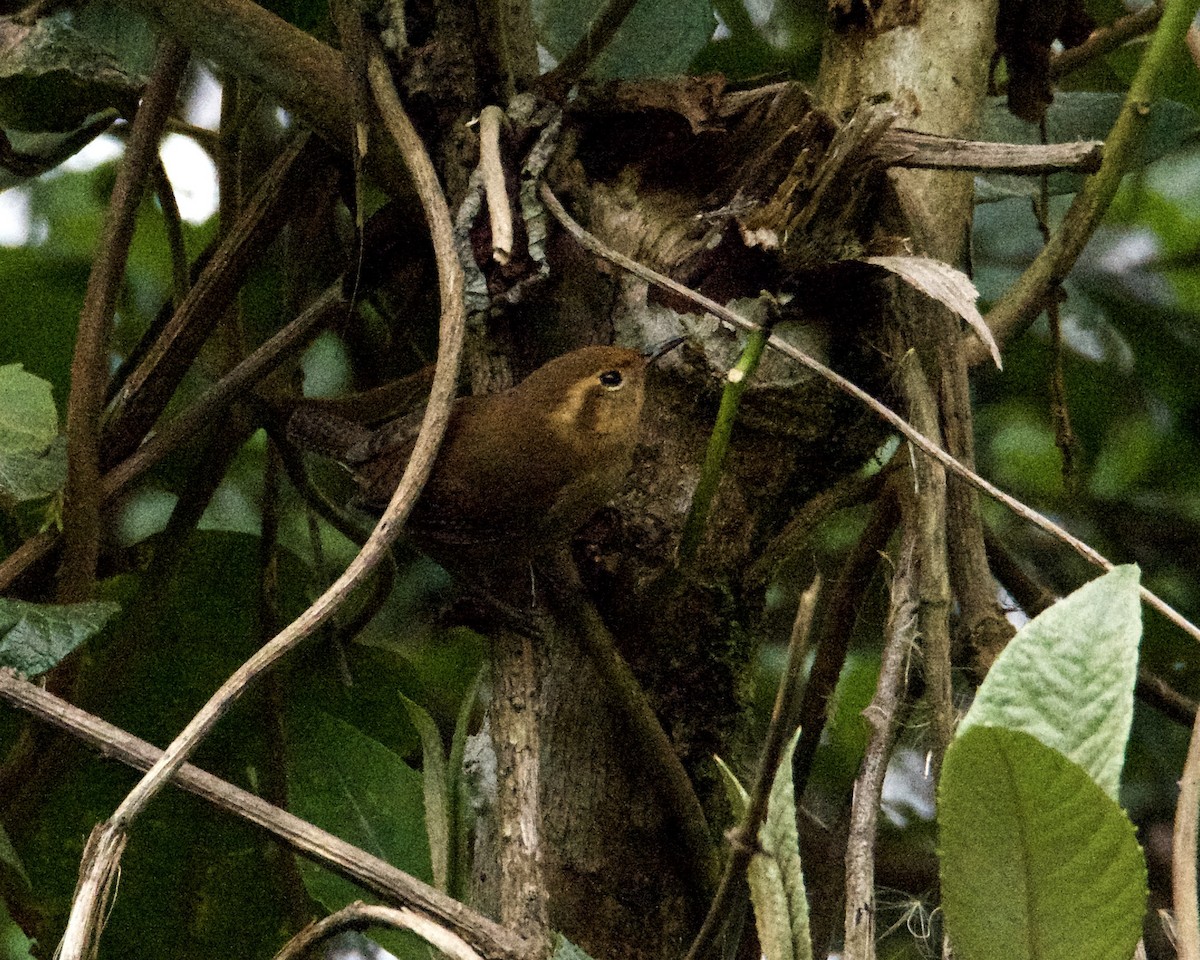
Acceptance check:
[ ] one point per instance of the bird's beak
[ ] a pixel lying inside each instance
(662, 349)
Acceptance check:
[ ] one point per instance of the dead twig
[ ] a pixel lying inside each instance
(744, 838)
(928, 151)
(881, 716)
(360, 916)
(1183, 853)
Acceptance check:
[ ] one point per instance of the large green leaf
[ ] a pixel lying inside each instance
(34, 636)
(1067, 677)
(28, 420)
(1037, 862)
(353, 786)
(658, 37)
(776, 880)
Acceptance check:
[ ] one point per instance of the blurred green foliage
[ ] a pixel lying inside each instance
(195, 882)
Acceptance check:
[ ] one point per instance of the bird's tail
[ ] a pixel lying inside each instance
(328, 434)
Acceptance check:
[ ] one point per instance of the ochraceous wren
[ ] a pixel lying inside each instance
(518, 470)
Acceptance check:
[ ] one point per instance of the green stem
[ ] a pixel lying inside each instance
(718, 444)
(1024, 301)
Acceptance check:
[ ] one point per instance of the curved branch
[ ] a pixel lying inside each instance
(359, 915)
(105, 845)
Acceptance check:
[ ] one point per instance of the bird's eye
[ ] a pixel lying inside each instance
(612, 379)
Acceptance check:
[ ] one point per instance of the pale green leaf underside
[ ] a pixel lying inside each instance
(435, 789)
(776, 880)
(1067, 677)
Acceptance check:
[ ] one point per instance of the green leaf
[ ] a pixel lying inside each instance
(436, 791)
(33, 457)
(53, 78)
(354, 786)
(28, 420)
(460, 853)
(739, 799)
(358, 789)
(564, 949)
(14, 945)
(1078, 116)
(37, 636)
(30, 476)
(1067, 677)
(776, 880)
(9, 857)
(638, 49)
(1037, 862)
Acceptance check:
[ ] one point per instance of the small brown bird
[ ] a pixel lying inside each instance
(518, 470)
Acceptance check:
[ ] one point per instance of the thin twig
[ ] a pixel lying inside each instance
(63, 148)
(590, 242)
(1183, 853)
(368, 871)
(744, 841)
(173, 224)
(33, 550)
(1024, 300)
(360, 916)
(599, 33)
(836, 629)
(200, 414)
(1106, 39)
(880, 715)
(108, 839)
(89, 367)
(215, 401)
(151, 384)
